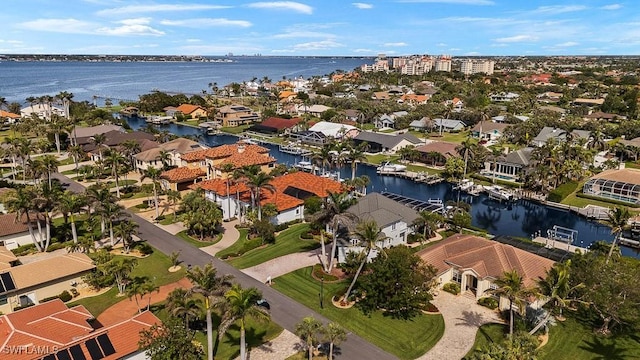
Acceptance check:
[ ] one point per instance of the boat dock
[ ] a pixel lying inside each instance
(589, 211)
(631, 243)
(421, 177)
(433, 205)
(559, 244)
(293, 149)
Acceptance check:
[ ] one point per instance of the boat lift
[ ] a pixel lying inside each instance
(560, 233)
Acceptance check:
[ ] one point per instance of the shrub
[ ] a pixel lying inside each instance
(23, 307)
(429, 307)
(319, 273)
(488, 302)
(160, 218)
(306, 235)
(47, 299)
(24, 250)
(74, 292)
(65, 296)
(126, 195)
(312, 205)
(452, 287)
(58, 246)
(143, 205)
(144, 248)
(603, 199)
(561, 192)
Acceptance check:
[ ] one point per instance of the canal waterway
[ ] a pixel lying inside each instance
(522, 218)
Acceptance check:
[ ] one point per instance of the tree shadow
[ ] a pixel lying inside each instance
(604, 351)
(253, 338)
(471, 318)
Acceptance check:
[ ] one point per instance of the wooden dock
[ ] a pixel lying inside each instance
(558, 244)
(421, 177)
(589, 211)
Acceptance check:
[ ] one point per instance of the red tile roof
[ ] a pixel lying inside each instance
(222, 151)
(52, 326)
(280, 123)
(246, 158)
(486, 258)
(318, 185)
(183, 174)
(9, 115)
(188, 108)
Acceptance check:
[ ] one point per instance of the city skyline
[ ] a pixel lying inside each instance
(321, 28)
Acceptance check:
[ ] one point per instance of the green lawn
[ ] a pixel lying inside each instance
(406, 339)
(257, 333)
(197, 243)
(155, 266)
(235, 248)
(450, 137)
(572, 339)
(380, 158)
(235, 129)
(287, 242)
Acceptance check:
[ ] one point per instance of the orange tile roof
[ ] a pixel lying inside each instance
(246, 158)
(222, 151)
(9, 115)
(183, 174)
(188, 108)
(318, 185)
(219, 186)
(52, 325)
(486, 258)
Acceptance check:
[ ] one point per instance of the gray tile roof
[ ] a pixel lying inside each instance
(520, 157)
(382, 210)
(548, 132)
(386, 140)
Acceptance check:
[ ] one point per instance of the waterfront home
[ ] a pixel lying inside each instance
(235, 115)
(170, 111)
(181, 178)
(334, 130)
(393, 218)
(114, 140)
(30, 283)
(388, 143)
(276, 125)
(449, 125)
(42, 111)
(80, 135)
(424, 124)
(310, 137)
(511, 167)
(558, 134)
(240, 154)
(475, 263)
(190, 111)
(489, 131)
(10, 117)
(600, 116)
(616, 184)
(52, 331)
(175, 148)
(289, 193)
(436, 153)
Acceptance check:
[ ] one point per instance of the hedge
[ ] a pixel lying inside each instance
(497, 181)
(562, 191)
(452, 287)
(488, 302)
(604, 199)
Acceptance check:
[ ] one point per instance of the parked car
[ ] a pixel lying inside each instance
(263, 303)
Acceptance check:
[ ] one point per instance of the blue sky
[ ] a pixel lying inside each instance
(321, 27)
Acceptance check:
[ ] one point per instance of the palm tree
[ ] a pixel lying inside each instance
(99, 140)
(556, 287)
(335, 334)
(308, 330)
(111, 212)
(124, 231)
(356, 154)
(322, 159)
(77, 153)
(99, 195)
(56, 127)
(154, 175)
(50, 164)
(334, 211)
(257, 182)
(115, 160)
(240, 304)
(129, 149)
(212, 288)
(21, 203)
(511, 286)
(70, 204)
(180, 304)
(173, 196)
(428, 221)
(369, 235)
(467, 148)
(165, 158)
(619, 221)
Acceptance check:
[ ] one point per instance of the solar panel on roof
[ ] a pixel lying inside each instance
(105, 344)
(8, 281)
(94, 349)
(63, 355)
(76, 353)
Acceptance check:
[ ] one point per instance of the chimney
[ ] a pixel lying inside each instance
(240, 148)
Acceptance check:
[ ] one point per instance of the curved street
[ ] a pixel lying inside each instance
(284, 311)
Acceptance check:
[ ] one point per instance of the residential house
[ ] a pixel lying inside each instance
(504, 97)
(604, 117)
(456, 104)
(549, 97)
(503, 119)
(28, 284)
(475, 263)
(235, 115)
(310, 137)
(170, 111)
(7, 259)
(588, 102)
(114, 140)
(559, 135)
(436, 153)
(424, 124)
(386, 121)
(175, 148)
(181, 178)
(511, 167)
(275, 125)
(290, 192)
(10, 118)
(192, 111)
(394, 219)
(43, 111)
(313, 110)
(381, 95)
(15, 232)
(616, 184)
(51, 331)
(334, 130)
(83, 135)
(238, 155)
(489, 131)
(449, 125)
(353, 115)
(414, 99)
(553, 109)
(380, 142)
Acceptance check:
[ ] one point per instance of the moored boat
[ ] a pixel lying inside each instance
(388, 167)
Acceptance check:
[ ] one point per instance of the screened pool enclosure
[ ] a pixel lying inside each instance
(613, 189)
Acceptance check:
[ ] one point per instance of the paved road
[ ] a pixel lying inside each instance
(284, 311)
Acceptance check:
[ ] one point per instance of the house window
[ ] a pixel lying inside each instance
(393, 226)
(3, 300)
(457, 277)
(493, 287)
(297, 211)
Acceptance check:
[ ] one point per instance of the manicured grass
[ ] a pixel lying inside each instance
(169, 219)
(257, 333)
(235, 129)
(155, 266)
(195, 242)
(287, 242)
(571, 339)
(380, 158)
(406, 339)
(192, 122)
(235, 248)
(418, 168)
(450, 137)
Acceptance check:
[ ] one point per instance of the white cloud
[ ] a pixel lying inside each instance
(283, 5)
(193, 40)
(292, 34)
(67, 26)
(136, 27)
(364, 51)
(611, 7)
(362, 6)
(461, 2)
(395, 44)
(568, 44)
(130, 9)
(317, 45)
(516, 39)
(207, 22)
(558, 9)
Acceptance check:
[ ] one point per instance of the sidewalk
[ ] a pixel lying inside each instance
(283, 265)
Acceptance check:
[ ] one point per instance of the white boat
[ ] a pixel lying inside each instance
(388, 167)
(465, 185)
(304, 166)
(499, 193)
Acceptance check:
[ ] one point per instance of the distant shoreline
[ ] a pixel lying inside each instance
(155, 58)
